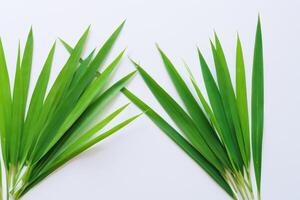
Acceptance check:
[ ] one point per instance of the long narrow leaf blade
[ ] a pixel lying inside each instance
(97, 106)
(26, 65)
(91, 132)
(5, 103)
(241, 98)
(217, 106)
(257, 105)
(17, 113)
(229, 99)
(106, 48)
(204, 103)
(36, 104)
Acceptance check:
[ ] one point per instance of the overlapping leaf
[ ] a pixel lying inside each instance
(215, 133)
(55, 128)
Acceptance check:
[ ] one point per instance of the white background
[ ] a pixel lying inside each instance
(141, 162)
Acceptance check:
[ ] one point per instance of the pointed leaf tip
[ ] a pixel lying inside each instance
(199, 53)
(31, 30)
(123, 51)
(157, 46)
(134, 62)
(120, 27)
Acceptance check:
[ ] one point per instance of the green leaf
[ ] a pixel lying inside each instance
(72, 146)
(96, 108)
(67, 46)
(22, 81)
(36, 104)
(257, 105)
(181, 142)
(241, 98)
(106, 48)
(26, 67)
(216, 103)
(204, 103)
(17, 113)
(5, 103)
(229, 100)
(83, 67)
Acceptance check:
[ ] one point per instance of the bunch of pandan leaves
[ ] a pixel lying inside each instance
(215, 132)
(41, 134)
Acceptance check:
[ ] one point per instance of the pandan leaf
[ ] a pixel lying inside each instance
(214, 133)
(257, 105)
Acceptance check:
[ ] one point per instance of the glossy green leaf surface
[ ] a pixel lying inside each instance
(257, 107)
